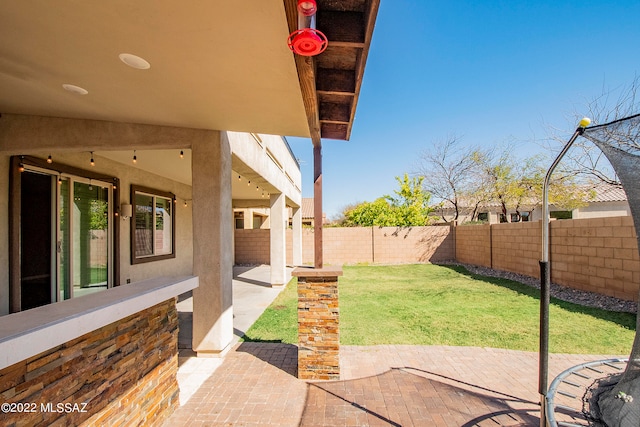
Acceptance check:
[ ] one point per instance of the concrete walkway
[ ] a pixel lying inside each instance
(255, 384)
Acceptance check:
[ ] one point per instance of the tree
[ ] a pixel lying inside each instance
(98, 215)
(467, 178)
(585, 161)
(449, 171)
(515, 183)
(409, 207)
(368, 214)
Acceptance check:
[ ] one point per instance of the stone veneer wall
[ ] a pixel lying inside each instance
(318, 323)
(121, 374)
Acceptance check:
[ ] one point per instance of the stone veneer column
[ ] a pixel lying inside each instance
(278, 216)
(318, 323)
(212, 240)
(296, 241)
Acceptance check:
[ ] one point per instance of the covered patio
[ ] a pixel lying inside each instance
(165, 108)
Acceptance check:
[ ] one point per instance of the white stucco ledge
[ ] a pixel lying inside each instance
(30, 332)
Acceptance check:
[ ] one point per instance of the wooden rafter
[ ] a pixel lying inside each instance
(306, 76)
(349, 27)
(331, 82)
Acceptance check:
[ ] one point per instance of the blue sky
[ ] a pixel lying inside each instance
(489, 71)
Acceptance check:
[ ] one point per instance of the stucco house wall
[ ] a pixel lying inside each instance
(182, 264)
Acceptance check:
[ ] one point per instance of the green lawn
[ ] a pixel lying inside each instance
(426, 304)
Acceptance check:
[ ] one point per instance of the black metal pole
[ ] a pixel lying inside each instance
(543, 362)
(545, 278)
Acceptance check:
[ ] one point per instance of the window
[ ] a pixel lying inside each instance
(239, 219)
(561, 214)
(153, 225)
(515, 217)
(483, 216)
(525, 216)
(258, 220)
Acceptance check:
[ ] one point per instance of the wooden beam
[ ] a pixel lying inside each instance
(337, 43)
(306, 77)
(371, 12)
(339, 57)
(338, 98)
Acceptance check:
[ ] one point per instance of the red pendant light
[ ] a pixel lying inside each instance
(306, 40)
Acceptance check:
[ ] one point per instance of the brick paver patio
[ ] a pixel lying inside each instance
(390, 385)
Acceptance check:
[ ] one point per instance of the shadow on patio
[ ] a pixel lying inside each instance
(404, 397)
(383, 385)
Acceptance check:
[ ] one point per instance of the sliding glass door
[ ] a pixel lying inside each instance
(66, 237)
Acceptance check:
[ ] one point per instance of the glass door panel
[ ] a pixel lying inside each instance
(64, 241)
(90, 241)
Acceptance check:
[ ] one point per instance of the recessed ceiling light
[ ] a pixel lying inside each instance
(134, 61)
(75, 89)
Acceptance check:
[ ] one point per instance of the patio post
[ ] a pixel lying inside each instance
(318, 323)
(212, 238)
(296, 240)
(277, 239)
(317, 204)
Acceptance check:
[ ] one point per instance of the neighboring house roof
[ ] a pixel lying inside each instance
(608, 193)
(307, 208)
(601, 192)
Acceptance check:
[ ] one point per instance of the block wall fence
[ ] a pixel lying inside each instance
(354, 245)
(596, 254)
(121, 374)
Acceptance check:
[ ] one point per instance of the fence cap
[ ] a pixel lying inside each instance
(328, 271)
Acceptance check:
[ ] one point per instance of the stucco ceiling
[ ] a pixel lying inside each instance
(215, 64)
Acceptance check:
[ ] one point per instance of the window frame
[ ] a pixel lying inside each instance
(138, 189)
